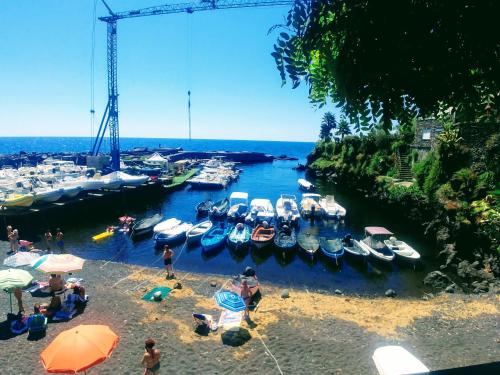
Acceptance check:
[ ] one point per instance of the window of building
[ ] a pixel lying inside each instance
(426, 134)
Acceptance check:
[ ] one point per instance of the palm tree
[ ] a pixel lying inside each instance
(343, 128)
(327, 125)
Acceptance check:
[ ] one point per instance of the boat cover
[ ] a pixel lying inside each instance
(373, 231)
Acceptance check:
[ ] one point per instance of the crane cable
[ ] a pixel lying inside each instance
(92, 75)
(188, 65)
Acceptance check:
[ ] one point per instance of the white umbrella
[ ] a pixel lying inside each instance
(21, 258)
(58, 263)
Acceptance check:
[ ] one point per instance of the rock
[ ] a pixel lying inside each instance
(285, 293)
(437, 280)
(448, 253)
(177, 285)
(338, 291)
(480, 287)
(442, 235)
(390, 293)
(450, 288)
(213, 284)
(467, 270)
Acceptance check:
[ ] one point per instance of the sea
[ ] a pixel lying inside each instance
(262, 180)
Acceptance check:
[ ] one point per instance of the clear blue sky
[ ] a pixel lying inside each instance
(236, 89)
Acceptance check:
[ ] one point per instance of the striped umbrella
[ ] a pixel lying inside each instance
(230, 301)
(58, 263)
(12, 278)
(21, 258)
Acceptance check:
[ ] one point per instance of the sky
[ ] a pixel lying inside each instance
(222, 56)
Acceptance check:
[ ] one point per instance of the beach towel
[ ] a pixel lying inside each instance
(64, 315)
(162, 289)
(230, 320)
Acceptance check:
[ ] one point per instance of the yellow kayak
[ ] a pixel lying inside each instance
(103, 235)
(17, 200)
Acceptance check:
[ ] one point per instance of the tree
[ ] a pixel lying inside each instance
(343, 128)
(393, 60)
(327, 125)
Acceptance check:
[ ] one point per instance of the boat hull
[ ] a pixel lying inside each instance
(21, 201)
(49, 196)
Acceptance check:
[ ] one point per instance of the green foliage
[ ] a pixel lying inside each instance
(381, 67)
(328, 124)
(464, 181)
(492, 154)
(422, 168)
(405, 195)
(343, 128)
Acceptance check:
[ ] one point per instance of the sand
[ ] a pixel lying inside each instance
(308, 333)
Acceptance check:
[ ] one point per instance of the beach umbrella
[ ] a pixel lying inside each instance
(58, 263)
(11, 279)
(78, 349)
(21, 258)
(230, 301)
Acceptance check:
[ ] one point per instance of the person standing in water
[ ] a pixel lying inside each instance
(167, 260)
(151, 358)
(48, 238)
(60, 239)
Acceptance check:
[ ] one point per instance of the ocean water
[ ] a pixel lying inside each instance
(266, 180)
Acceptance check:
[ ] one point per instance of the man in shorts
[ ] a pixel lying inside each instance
(167, 260)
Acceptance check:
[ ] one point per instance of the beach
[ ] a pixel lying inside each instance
(309, 332)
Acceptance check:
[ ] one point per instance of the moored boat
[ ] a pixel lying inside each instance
(130, 180)
(219, 209)
(238, 206)
(260, 210)
(47, 195)
(287, 210)
(332, 249)
(145, 226)
(72, 191)
(331, 209)
(214, 239)
(166, 225)
(305, 185)
(239, 237)
(285, 240)
(354, 249)
(309, 205)
(203, 208)
(16, 200)
(309, 243)
(262, 236)
(402, 250)
(374, 243)
(197, 231)
(173, 235)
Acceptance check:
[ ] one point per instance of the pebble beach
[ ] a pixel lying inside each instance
(309, 332)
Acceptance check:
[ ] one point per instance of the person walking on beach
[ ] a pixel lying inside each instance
(246, 294)
(167, 260)
(9, 237)
(151, 358)
(60, 239)
(14, 241)
(48, 238)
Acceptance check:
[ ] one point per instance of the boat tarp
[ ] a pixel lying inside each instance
(157, 158)
(374, 231)
(239, 195)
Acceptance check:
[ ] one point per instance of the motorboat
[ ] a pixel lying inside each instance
(88, 184)
(285, 239)
(72, 191)
(16, 200)
(197, 231)
(166, 225)
(208, 181)
(374, 243)
(332, 249)
(260, 210)
(287, 211)
(305, 185)
(354, 249)
(331, 208)
(239, 237)
(402, 250)
(47, 194)
(238, 206)
(172, 235)
(203, 208)
(219, 209)
(309, 243)
(112, 181)
(214, 239)
(262, 236)
(129, 180)
(145, 226)
(310, 205)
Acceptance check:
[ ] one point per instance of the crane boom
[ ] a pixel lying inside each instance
(110, 117)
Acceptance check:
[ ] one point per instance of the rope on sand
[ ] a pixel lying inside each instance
(269, 352)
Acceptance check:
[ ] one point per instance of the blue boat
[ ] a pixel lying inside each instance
(239, 237)
(332, 249)
(172, 235)
(214, 239)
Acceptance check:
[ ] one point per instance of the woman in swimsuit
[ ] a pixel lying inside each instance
(151, 358)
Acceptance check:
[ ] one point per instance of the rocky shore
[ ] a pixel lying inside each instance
(308, 332)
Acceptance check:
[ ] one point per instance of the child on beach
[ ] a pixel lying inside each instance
(14, 241)
(167, 260)
(151, 358)
(60, 239)
(48, 238)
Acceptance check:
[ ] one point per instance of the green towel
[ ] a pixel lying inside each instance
(149, 295)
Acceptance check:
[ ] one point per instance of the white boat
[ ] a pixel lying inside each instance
(395, 360)
(72, 191)
(374, 243)
(305, 185)
(196, 232)
(309, 204)
(88, 184)
(130, 180)
(172, 235)
(238, 205)
(331, 208)
(208, 181)
(16, 200)
(354, 248)
(47, 195)
(166, 225)
(260, 210)
(402, 249)
(112, 181)
(286, 209)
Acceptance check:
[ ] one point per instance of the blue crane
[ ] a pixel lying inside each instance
(110, 116)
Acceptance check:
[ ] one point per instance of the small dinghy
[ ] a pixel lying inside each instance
(402, 250)
(239, 237)
(203, 208)
(238, 203)
(214, 239)
(354, 249)
(262, 236)
(219, 209)
(285, 239)
(172, 235)
(305, 185)
(194, 235)
(331, 209)
(145, 226)
(332, 249)
(309, 243)
(374, 243)
(166, 225)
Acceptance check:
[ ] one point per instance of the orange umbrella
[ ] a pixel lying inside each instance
(78, 349)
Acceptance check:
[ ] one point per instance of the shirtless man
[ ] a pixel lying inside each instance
(151, 358)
